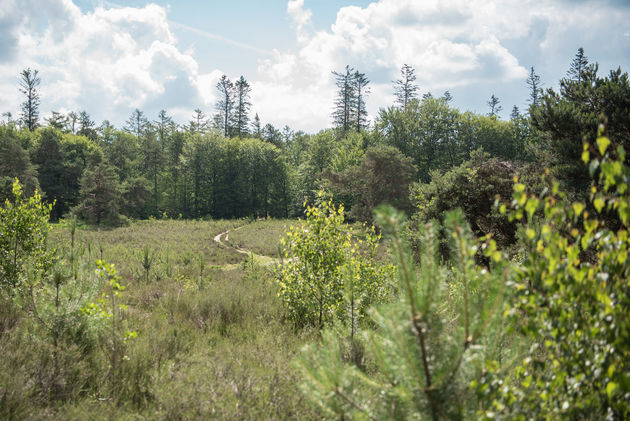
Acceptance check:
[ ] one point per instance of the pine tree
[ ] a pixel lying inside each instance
(578, 66)
(100, 195)
(345, 102)
(73, 118)
(164, 126)
(137, 123)
(535, 87)
(30, 107)
(515, 114)
(425, 346)
(57, 121)
(256, 128)
(404, 88)
(242, 105)
(361, 90)
(86, 126)
(495, 108)
(225, 106)
(199, 123)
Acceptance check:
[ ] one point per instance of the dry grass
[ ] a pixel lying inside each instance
(212, 342)
(261, 237)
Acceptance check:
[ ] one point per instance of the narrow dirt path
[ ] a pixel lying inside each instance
(225, 235)
(223, 238)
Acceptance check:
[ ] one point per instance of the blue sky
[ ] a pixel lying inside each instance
(110, 57)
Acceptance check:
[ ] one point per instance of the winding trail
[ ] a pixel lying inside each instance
(223, 238)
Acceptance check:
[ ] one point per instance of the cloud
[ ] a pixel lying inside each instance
(453, 44)
(301, 18)
(113, 59)
(450, 43)
(108, 61)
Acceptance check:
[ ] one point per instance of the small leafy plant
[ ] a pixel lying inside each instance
(317, 256)
(109, 311)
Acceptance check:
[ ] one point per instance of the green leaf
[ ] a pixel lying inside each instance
(611, 387)
(531, 206)
(599, 203)
(602, 143)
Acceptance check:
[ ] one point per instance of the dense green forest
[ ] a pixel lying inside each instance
(446, 264)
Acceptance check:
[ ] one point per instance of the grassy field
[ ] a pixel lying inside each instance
(261, 237)
(211, 339)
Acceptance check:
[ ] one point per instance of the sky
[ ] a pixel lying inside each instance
(109, 58)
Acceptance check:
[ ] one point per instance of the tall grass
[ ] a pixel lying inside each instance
(211, 340)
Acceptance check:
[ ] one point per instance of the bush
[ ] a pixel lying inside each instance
(428, 343)
(318, 255)
(571, 300)
(471, 187)
(23, 231)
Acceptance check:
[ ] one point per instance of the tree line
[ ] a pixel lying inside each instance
(229, 165)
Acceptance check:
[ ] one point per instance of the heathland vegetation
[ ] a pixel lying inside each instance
(445, 264)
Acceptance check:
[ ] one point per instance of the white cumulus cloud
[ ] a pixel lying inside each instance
(107, 62)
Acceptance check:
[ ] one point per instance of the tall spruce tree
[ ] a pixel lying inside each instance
(361, 90)
(73, 118)
(242, 105)
(199, 123)
(404, 88)
(535, 87)
(86, 126)
(225, 106)
(57, 120)
(30, 107)
(164, 126)
(345, 102)
(495, 108)
(256, 127)
(578, 66)
(137, 123)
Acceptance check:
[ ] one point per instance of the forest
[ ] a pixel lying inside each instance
(430, 264)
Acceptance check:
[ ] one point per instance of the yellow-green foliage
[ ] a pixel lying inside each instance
(427, 343)
(23, 231)
(320, 257)
(572, 300)
(211, 338)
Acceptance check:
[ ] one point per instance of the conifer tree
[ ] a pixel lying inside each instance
(578, 66)
(495, 108)
(137, 123)
(164, 126)
(256, 127)
(242, 105)
(224, 106)
(426, 343)
(86, 126)
(535, 87)
(345, 102)
(73, 118)
(361, 90)
(404, 88)
(30, 107)
(199, 123)
(57, 120)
